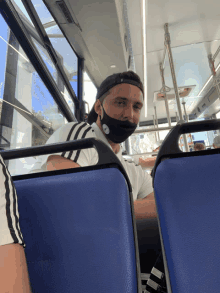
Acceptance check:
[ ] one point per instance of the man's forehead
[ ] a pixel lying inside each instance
(126, 91)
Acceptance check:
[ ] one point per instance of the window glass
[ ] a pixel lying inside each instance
(90, 91)
(29, 114)
(42, 11)
(46, 59)
(69, 59)
(21, 9)
(67, 56)
(35, 36)
(3, 54)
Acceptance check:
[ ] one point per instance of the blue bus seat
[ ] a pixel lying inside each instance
(78, 231)
(187, 194)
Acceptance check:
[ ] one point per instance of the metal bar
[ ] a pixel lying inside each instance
(80, 91)
(186, 117)
(167, 42)
(164, 55)
(49, 24)
(127, 146)
(163, 120)
(177, 119)
(216, 53)
(152, 129)
(167, 110)
(155, 127)
(184, 108)
(213, 71)
(15, 24)
(155, 111)
(147, 153)
(31, 118)
(87, 105)
(57, 36)
(165, 95)
(49, 47)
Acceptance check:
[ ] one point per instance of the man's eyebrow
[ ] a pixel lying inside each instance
(126, 99)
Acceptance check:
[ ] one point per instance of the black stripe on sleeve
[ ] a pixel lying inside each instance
(76, 136)
(69, 135)
(8, 202)
(16, 217)
(78, 151)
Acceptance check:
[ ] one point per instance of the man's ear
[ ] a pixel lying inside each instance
(98, 107)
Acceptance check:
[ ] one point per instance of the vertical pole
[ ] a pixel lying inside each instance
(212, 67)
(154, 128)
(127, 146)
(167, 42)
(164, 92)
(186, 116)
(177, 118)
(155, 111)
(80, 113)
(184, 108)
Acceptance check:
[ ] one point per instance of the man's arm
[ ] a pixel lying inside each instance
(55, 162)
(145, 208)
(13, 269)
(147, 163)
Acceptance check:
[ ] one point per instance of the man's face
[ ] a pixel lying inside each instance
(124, 103)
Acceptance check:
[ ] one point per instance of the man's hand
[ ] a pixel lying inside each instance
(147, 163)
(145, 208)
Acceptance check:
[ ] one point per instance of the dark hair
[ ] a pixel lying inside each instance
(133, 76)
(199, 146)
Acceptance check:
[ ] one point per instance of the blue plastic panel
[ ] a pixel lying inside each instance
(78, 232)
(187, 191)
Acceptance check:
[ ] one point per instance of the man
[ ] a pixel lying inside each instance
(199, 147)
(113, 118)
(216, 142)
(13, 266)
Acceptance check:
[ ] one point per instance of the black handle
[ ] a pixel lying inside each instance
(170, 143)
(105, 154)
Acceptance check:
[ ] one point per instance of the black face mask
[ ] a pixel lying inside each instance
(115, 130)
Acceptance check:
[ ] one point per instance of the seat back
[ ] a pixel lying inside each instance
(78, 231)
(187, 193)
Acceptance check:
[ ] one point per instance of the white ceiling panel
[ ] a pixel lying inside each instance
(195, 32)
(189, 22)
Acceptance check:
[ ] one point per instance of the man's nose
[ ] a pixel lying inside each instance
(129, 113)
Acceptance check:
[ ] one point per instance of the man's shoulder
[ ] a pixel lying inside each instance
(73, 131)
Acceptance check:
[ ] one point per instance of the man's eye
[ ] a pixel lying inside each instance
(137, 108)
(121, 103)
